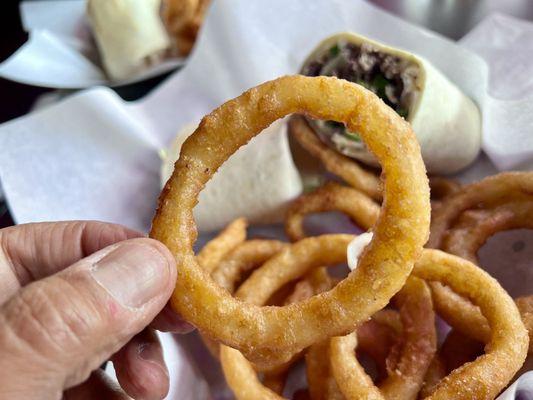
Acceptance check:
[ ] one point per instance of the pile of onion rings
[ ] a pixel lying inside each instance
(464, 224)
(183, 19)
(262, 306)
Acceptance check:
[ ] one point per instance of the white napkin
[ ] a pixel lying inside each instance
(522, 389)
(506, 44)
(61, 52)
(95, 156)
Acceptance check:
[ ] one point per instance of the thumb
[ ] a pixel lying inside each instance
(54, 332)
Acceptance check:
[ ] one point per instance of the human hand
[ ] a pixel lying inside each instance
(73, 294)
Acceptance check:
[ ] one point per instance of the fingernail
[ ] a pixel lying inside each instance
(133, 273)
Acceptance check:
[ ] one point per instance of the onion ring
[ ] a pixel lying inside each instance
(242, 378)
(488, 192)
(525, 306)
(383, 268)
(507, 349)
(331, 197)
(374, 338)
(322, 384)
(442, 187)
(435, 373)
(239, 373)
(347, 169)
(465, 241)
(291, 264)
(216, 249)
(237, 263)
(377, 340)
(390, 318)
(460, 313)
(243, 259)
(316, 281)
(405, 380)
(456, 350)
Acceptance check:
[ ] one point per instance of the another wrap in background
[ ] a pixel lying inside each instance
(447, 123)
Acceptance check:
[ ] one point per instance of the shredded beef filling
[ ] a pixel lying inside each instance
(390, 77)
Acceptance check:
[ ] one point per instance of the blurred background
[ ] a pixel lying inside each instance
(451, 18)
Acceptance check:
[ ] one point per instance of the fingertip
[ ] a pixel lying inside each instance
(140, 368)
(170, 321)
(96, 235)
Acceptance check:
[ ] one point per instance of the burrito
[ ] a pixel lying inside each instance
(129, 33)
(257, 182)
(446, 122)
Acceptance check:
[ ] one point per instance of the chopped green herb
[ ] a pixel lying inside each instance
(334, 51)
(379, 83)
(352, 136)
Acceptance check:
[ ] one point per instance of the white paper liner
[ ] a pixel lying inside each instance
(95, 156)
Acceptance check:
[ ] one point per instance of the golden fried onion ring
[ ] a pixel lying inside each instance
(399, 233)
(375, 337)
(465, 240)
(525, 306)
(183, 19)
(242, 378)
(507, 348)
(331, 197)
(216, 249)
(289, 265)
(377, 340)
(442, 187)
(491, 191)
(243, 259)
(435, 373)
(460, 313)
(239, 373)
(418, 347)
(316, 281)
(485, 376)
(237, 263)
(347, 169)
(455, 351)
(322, 383)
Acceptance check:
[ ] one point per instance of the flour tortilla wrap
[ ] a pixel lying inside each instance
(130, 34)
(257, 182)
(447, 123)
